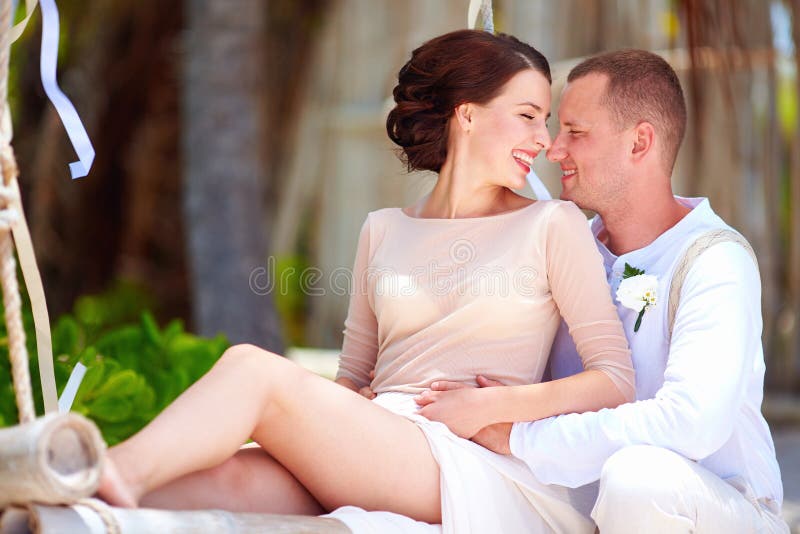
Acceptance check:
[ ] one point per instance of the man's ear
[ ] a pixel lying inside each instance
(464, 116)
(644, 137)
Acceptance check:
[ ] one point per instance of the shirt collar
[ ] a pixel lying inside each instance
(701, 210)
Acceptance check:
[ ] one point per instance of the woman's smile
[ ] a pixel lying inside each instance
(524, 159)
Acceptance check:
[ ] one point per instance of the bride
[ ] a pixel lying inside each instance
(471, 280)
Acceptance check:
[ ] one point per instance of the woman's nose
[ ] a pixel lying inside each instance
(543, 140)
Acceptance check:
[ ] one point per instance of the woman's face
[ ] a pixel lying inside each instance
(508, 132)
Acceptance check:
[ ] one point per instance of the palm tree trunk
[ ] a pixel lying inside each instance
(225, 175)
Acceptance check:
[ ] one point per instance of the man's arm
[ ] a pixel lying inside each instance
(715, 343)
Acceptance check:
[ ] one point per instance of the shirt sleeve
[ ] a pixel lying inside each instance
(579, 287)
(715, 346)
(360, 345)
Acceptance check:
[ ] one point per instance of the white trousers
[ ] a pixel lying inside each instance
(653, 490)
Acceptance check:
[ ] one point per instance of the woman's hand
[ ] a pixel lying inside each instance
(366, 391)
(461, 407)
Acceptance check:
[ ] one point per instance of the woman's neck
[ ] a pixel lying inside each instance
(458, 194)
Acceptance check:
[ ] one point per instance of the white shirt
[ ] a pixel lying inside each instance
(698, 395)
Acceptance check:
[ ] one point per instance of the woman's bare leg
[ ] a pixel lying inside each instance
(342, 447)
(250, 481)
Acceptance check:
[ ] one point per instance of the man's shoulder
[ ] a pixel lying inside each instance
(702, 222)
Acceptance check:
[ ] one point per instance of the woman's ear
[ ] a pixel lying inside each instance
(464, 116)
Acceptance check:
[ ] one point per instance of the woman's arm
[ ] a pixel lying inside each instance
(587, 391)
(360, 344)
(346, 382)
(578, 284)
(577, 279)
(466, 410)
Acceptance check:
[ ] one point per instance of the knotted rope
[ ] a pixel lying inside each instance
(9, 216)
(12, 222)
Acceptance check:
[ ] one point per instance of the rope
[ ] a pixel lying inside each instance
(18, 354)
(104, 512)
(12, 221)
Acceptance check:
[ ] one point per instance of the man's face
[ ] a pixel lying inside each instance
(590, 148)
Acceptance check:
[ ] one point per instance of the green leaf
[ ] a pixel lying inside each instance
(122, 384)
(631, 271)
(111, 409)
(89, 357)
(65, 336)
(150, 329)
(91, 380)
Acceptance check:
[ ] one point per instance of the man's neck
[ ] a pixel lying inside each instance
(633, 225)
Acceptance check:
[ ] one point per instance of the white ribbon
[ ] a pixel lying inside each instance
(539, 189)
(49, 55)
(17, 29)
(477, 7)
(71, 389)
(72, 123)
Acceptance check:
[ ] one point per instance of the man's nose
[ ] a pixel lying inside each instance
(556, 151)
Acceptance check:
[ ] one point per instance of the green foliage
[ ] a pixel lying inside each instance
(787, 106)
(290, 297)
(134, 368)
(631, 271)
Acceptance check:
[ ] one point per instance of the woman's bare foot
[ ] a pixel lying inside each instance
(113, 489)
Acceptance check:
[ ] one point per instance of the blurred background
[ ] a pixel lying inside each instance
(240, 144)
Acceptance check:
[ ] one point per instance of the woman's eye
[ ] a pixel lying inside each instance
(529, 117)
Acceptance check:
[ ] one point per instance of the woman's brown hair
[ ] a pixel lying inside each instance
(449, 70)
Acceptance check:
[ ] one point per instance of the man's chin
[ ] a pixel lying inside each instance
(568, 195)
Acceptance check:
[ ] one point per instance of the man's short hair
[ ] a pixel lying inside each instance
(641, 87)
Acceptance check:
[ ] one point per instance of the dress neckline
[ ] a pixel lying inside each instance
(481, 218)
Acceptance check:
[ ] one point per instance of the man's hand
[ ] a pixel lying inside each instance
(495, 438)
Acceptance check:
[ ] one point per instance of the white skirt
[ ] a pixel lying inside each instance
(481, 491)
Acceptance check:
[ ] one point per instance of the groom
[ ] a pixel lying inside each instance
(693, 453)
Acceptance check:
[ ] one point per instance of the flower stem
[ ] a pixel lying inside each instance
(639, 320)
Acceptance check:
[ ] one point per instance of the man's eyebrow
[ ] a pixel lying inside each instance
(572, 123)
(534, 106)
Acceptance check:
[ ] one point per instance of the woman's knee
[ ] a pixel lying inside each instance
(251, 359)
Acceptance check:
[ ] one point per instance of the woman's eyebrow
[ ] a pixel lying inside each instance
(534, 106)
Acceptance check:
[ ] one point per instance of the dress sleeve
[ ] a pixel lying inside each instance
(579, 287)
(360, 345)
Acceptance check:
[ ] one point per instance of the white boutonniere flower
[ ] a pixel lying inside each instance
(637, 291)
